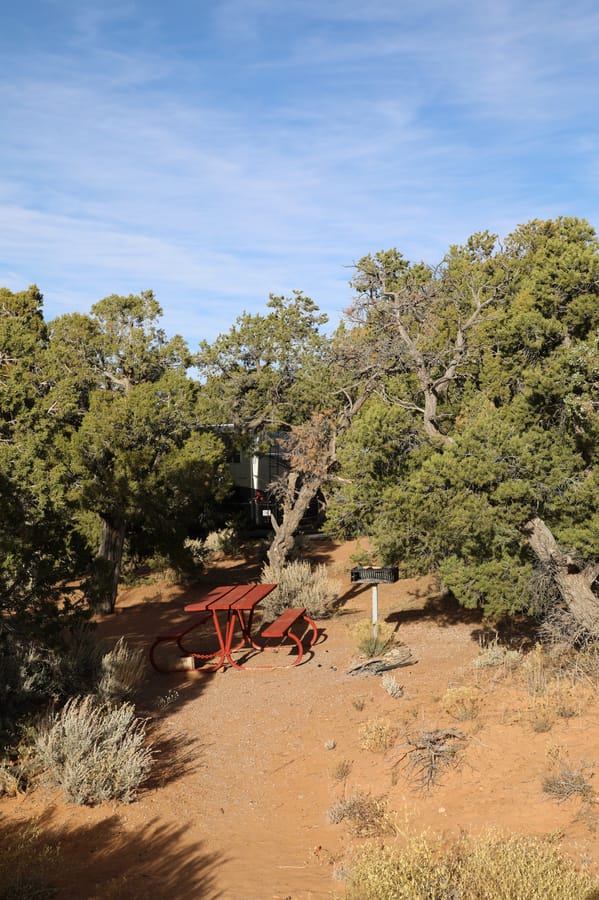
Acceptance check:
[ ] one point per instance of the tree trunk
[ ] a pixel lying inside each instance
(575, 587)
(295, 507)
(107, 569)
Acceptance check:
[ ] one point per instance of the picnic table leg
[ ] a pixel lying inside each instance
(246, 629)
(290, 635)
(222, 640)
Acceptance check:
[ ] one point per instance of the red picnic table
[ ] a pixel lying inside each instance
(239, 602)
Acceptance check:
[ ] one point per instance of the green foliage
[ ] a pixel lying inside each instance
(372, 455)
(268, 369)
(490, 416)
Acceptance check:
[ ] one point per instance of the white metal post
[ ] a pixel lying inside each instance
(375, 610)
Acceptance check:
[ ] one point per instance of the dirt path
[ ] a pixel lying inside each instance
(249, 762)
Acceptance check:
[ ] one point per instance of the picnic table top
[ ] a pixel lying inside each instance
(231, 597)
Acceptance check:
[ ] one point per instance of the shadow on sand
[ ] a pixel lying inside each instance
(103, 860)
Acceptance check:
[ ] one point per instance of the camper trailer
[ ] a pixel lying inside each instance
(253, 474)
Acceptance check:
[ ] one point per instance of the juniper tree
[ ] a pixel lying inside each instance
(491, 475)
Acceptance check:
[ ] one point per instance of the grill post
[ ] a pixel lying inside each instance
(374, 575)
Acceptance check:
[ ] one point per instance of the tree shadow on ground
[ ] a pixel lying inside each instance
(175, 756)
(319, 548)
(518, 633)
(442, 608)
(160, 611)
(338, 608)
(103, 860)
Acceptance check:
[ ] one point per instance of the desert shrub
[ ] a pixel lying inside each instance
(94, 752)
(390, 684)
(377, 735)
(486, 868)
(48, 667)
(372, 641)
(461, 703)
(300, 584)
(428, 753)
(122, 672)
(76, 664)
(566, 779)
(496, 654)
(197, 549)
(366, 815)
(226, 541)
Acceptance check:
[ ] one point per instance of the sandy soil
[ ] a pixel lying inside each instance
(248, 762)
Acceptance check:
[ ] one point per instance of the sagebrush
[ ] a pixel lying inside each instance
(94, 752)
(122, 672)
(300, 584)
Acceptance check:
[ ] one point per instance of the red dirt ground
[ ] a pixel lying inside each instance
(245, 775)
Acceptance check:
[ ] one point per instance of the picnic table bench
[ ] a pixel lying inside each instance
(238, 602)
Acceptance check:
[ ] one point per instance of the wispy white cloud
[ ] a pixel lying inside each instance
(220, 152)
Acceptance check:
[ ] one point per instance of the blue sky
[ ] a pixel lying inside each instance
(217, 151)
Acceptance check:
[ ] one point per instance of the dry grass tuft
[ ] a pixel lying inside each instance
(342, 770)
(377, 735)
(566, 780)
(462, 703)
(487, 868)
(123, 671)
(537, 669)
(372, 641)
(494, 654)
(366, 816)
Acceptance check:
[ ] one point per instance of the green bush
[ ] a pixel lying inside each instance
(37, 669)
(94, 752)
(487, 868)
